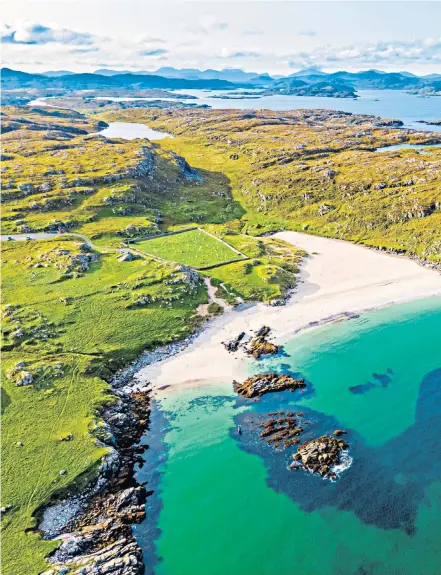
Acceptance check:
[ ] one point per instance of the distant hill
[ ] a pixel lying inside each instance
(168, 77)
(57, 73)
(228, 74)
(324, 88)
(11, 79)
(308, 72)
(375, 79)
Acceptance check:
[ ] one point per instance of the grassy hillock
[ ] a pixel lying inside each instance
(315, 171)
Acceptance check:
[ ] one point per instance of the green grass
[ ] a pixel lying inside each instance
(388, 199)
(95, 326)
(194, 248)
(93, 322)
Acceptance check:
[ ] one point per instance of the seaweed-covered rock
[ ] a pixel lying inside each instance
(281, 430)
(258, 385)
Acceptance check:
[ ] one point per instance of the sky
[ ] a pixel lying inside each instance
(278, 37)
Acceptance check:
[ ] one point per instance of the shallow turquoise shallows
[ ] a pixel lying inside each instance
(226, 504)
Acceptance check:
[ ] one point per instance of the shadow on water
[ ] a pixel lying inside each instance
(384, 486)
(380, 380)
(150, 474)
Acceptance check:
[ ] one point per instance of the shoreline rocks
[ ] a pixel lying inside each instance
(259, 344)
(96, 526)
(233, 344)
(258, 385)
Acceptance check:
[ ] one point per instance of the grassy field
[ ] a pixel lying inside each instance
(269, 273)
(194, 248)
(77, 328)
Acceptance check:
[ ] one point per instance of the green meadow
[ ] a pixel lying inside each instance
(194, 248)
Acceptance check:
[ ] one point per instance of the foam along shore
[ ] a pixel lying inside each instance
(337, 279)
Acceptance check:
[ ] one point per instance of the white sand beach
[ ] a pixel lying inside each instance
(336, 278)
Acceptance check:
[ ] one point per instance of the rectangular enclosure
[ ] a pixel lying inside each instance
(194, 248)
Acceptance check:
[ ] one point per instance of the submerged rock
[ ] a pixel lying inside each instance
(283, 430)
(258, 385)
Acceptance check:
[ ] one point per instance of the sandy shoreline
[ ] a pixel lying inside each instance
(337, 278)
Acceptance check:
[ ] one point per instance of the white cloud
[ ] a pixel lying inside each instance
(27, 32)
(395, 53)
(207, 26)
(209, 42)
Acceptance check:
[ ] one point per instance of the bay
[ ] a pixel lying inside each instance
(227, 504)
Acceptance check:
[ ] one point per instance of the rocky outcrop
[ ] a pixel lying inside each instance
(233, 344)
(319, 456)
(123, 557)
(145, 166)
(261, 384)
(259, 344)
(185, 169)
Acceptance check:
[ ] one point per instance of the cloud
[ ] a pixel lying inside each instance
(84, 50)
(143, 39)
(154, 52)
(253, 32)
(395, 53)
(243, 54)
(207, 27)
(26, 32)
(310, 33)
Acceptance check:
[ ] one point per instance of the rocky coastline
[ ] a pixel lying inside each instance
(95, 527)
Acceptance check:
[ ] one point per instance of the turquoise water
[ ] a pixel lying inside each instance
(226, 504)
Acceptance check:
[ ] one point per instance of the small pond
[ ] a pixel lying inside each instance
(131, 131)
(396, 147)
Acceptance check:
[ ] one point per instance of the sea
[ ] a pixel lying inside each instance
(226, 503)
(411, 109)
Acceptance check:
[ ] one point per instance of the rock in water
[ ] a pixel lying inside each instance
(258, 385)
(319, 455)
(281, 431)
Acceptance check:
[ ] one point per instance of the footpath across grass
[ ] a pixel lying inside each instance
(194, 248)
